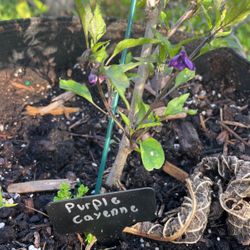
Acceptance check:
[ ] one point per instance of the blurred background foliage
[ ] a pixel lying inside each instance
(239, 38)
(13, 9)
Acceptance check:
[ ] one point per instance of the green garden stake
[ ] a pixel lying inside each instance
(114, 106)
(27, 83)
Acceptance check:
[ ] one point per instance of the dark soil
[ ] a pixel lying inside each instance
(34, 148)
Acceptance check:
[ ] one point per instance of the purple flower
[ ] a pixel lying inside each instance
(92, 78)
(181, 61)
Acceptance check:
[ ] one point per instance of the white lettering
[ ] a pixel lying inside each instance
(115, 201)
(106, 214)
(80, 207)
(97, 215)
(96, 204)
(133, 209)
(114, 212)
(69, 206)
(123, 210)
(105, 202)
(88, 217)
(87, 205)
(76, 221)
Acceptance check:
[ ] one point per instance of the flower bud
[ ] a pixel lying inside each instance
(92, 78)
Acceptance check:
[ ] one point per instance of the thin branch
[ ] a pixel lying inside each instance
(233, 133)
(108, 107)
(187, 15)
(38, 211)
(99, 108)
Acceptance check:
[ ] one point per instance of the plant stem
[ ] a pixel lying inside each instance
(187, 15)
(99, 108)
(107, 106)
(152, 13)
(116, 171)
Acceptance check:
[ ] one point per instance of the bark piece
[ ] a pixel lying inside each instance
(38, 186)
(188, 138)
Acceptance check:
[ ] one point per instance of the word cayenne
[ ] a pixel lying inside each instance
(98, 211)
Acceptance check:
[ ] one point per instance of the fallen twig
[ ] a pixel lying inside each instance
(38, 211)
(38, 186)
(236, 124)
(175, 171)
(233, 133)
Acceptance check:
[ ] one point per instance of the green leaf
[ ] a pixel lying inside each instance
(89, 238)
(129, 57)
(235, 12)
(217, 4)
(184, 76)
(124, 118)
(40, 6)
(130, 43)
(99, 56)
(77, 88)
(229, 41)
(132, 76)
(141, 109)
(81, 191)
(99, 45)
(149, 125)
(175, 106)
(3, 203)
(207, 16)
(166, 48)
(9, 205)
(119, 80)
(98, 52)
(1, 198)
(63, 193)
(85, 13)
(152, 154)
(97, 26)
(129, 66)
(164, 18)
(163, 53)
(191, 111)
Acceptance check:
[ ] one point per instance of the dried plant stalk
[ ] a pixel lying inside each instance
(187, 223)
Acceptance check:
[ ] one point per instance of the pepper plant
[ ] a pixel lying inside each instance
(64, 193)
(4, 202)
(165, 63)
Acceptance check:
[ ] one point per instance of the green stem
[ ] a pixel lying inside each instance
(111, 114)
(99, 108)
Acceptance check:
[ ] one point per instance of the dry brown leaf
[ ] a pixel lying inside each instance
(235, 200)
(185, 224)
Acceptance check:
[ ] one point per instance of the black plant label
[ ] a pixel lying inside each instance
(103, 215)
